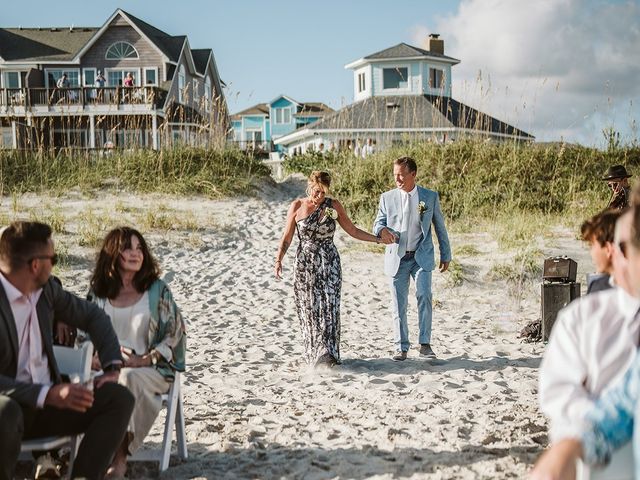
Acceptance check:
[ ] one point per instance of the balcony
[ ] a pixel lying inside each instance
(17, 101)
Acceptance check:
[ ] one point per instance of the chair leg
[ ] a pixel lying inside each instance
(181, 438)
(75, 444)
(172, 403)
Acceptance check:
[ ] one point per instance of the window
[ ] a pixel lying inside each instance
(435, 77)
(207, 93)
(395, 78)
(195, 90)
(115, 78)
(89, 76)
(181, 83)
(361, 83)
(151, 76)
(73, 76)
(121, 51)
(283, 115)
(12, 80)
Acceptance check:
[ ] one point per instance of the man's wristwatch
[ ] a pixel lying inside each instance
(154, 357)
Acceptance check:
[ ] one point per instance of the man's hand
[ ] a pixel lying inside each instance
(65, 334)
(444, 266)
(110, 377)
(387, 237)
(69, 396)
(277, 268)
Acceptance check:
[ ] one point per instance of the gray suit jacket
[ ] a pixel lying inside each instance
(54, 301)
(390, 216)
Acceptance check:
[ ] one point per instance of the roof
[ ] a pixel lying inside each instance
(403, 50)
(414, 112)
(43, 44)
(259, 109)
(201, 58)
(170, 45)
(314, 109)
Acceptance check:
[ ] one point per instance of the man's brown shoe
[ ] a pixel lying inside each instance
(399, 356)
(426, 351)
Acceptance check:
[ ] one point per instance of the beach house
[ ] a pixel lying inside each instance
(402, 93)
(258, 126)
(122, 85)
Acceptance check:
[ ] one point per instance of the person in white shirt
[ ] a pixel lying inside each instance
(593, 342)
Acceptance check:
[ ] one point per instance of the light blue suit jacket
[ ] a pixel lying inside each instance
(390, 216)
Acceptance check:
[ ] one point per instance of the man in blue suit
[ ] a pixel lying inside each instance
(407, 214)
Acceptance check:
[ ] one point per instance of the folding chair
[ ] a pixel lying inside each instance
(621, 467)
(71, 361)
(175, 416)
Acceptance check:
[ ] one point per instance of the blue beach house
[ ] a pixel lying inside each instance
(258, 126)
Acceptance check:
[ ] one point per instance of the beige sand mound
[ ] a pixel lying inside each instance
(253, 410)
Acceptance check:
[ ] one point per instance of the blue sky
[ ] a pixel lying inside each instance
(520, 60)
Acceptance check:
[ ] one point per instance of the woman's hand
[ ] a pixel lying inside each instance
(137, 361)
(559, 462)
(277, 268)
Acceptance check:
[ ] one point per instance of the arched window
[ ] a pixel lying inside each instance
(121, 50)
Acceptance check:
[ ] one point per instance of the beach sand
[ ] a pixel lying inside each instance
(254, 410)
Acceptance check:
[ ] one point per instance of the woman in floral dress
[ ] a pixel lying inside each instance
(317, 274)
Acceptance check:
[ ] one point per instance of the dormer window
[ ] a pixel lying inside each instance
(121, 51)
(435, 77)
(395, 78)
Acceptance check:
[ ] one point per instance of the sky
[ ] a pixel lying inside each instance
(558, 69)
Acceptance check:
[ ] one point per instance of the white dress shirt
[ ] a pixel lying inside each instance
(33, 365)
(414, 232)
(593, 342)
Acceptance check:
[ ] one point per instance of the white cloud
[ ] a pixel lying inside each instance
(553, 67)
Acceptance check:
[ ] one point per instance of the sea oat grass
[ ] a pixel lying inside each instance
(183, 171)
(517, 187)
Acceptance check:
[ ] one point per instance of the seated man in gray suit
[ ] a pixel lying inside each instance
(33, 401)
(407, 213)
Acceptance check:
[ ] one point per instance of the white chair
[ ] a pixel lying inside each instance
(175, 416)
(621, 467)
(71, 361)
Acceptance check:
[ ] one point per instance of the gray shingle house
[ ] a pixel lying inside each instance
(125, 84)
(401, 93)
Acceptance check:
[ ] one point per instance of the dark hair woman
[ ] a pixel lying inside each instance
(126, 285)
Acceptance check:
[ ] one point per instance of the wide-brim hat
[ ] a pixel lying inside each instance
(616, 171)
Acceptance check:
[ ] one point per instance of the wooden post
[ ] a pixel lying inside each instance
(92, 131)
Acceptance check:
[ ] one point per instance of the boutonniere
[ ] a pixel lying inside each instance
(422, 207)
(331, 213)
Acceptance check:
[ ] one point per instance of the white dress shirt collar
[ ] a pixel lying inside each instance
(411, 193)
(12, 292)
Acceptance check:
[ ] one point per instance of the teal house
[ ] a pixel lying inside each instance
(258, 126)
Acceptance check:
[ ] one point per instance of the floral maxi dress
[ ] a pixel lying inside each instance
(317, 284)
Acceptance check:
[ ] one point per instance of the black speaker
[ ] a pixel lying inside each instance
(559, 269)
(555, 296)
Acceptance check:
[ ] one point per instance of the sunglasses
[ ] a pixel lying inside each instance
(53, 258)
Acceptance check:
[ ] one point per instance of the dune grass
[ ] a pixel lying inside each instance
(181, 171)
(514, 186)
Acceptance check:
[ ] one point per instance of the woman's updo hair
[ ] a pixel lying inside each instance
(319, 179)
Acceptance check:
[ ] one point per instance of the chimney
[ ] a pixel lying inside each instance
(435, 44)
